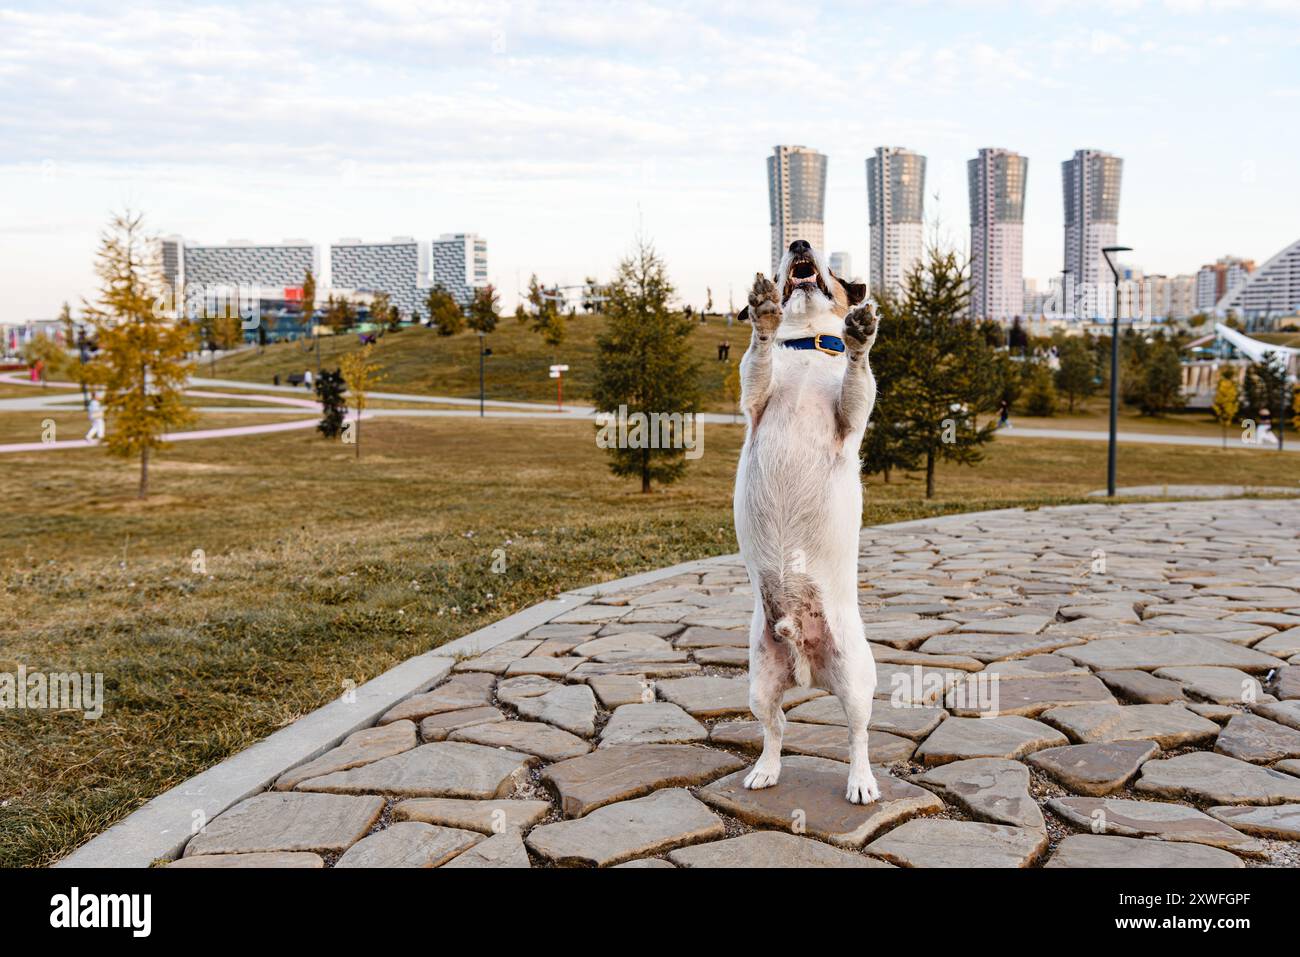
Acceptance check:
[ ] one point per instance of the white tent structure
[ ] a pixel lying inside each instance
(1254, 349)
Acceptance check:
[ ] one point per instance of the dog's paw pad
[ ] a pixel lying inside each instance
(860, 324)
(862, 789)
(760, 778)
(763, 291)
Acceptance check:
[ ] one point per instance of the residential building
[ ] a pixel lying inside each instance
(1218, 279)
(396, 267)
(895, 208)
(1091, 188)
(459, 264)
(997, 215)
(1269, 292)
(796, 194)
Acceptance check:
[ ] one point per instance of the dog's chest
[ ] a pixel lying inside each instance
(805, 390)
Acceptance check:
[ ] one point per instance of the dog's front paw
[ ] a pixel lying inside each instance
(763, 775)
(863, 788)
(860, 327)
(764, 305)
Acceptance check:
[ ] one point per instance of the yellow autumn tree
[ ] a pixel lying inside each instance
(143, 363)
(1227, 400)
(361, 376)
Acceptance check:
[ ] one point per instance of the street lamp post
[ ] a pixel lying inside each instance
(483, 353)
(1114, 371)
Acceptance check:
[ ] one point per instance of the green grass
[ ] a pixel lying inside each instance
(418, 360)
(322, 569)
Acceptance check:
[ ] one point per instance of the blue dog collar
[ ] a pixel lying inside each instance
(832, 345)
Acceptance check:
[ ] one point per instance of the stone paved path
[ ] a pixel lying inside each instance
(1067, 687)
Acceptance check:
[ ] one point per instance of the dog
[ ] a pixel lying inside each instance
(807, 392)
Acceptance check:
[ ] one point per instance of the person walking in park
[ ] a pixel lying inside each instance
(96, 413)
(307, 380)
(1004, 415)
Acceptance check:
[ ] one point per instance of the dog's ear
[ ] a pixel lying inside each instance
(856, 291)
(743, 315)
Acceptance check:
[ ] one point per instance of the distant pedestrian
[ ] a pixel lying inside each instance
(1004, 415)
(1264, 431)
(276, 379)
(96, 413)
(307, 379)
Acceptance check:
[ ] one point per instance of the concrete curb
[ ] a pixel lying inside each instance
(160, 829)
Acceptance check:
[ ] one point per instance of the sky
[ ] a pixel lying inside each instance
(563, 131)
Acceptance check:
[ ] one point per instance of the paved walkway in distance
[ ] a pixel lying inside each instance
(1078, 686)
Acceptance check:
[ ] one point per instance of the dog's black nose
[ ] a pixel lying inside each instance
(800, 247)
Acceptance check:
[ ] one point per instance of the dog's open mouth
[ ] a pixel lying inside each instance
(803, 275)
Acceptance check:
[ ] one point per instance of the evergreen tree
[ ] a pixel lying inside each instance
(947, 375)
(329, 389)
(1077, 375)
(444, 311)
(544, 315)
(889, 441)
(484, 309)
(143, 364)
(1160, 389)
(643, 363)
(1040, 392)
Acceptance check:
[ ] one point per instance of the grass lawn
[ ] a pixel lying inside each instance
(1094, 414)
(321, 569)
(419, 360)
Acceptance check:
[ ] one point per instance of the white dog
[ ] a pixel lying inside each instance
(807, 392)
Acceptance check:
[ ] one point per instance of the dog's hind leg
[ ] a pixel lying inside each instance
(854, 682)
(769, 677)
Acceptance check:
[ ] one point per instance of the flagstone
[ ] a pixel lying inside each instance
(259, 859)
(657, 722)
(1169, 651)
(1158, 819)
(513, 690)
(883, 654)
(618, 832)
(1169, 725)
(1014, 625)
(648, 669)
(1142, 687)
(1035, 666)
(569, 707)
(1283, 644)
(358, 748)
(1108, 850)
(615, 690)
(1217, 685)
(810, 793)
(990, 789)
(1216, 779)
(905, 720)
(1258, 740)
(548, 667)
(1287, 683)
(1095, 769)
(409, 844)
(500, 850)
(436, 727)
(527, 737)
(768, 849)
(627, 641)
(938, 842)
(461, 691)
(725, 657)
(288, 821)
(906, 634)
(990, 647)
(498, 659)
(708, 696)
(487, 817)
(1023, 696)
(442, 769)
(620, 772)
(1283, 712)
(823, 740)
(699, 636)
(1011, 736)
(1280, 821)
